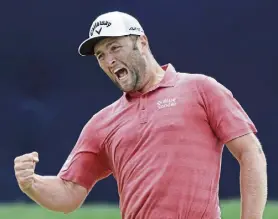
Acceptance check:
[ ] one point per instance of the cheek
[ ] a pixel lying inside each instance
(102, 65)
(112, 77)
(107, 72)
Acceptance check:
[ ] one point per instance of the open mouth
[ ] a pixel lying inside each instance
(121, 73)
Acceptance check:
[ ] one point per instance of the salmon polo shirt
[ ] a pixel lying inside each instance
(163, 147)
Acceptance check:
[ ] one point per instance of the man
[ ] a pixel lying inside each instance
(162, 139)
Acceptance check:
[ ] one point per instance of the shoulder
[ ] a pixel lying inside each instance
(200, 82)
(99, 120)
(97, 127)
(190, 77)
(192, 81)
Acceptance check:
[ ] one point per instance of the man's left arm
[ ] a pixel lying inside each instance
(234, 128)
(253, 175)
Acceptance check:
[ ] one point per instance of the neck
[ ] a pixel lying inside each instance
(156, 74)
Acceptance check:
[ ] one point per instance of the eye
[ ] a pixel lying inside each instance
(100, 56)
(115, 48)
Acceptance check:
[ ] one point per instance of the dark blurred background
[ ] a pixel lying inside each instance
(48, 91)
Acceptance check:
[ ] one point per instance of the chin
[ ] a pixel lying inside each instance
(128, 89)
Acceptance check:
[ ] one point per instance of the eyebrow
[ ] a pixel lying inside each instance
(108, 44)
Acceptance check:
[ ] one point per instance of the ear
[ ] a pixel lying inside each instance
(144, 43)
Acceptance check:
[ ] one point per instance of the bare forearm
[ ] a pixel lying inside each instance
(52, 193)
(253, 180)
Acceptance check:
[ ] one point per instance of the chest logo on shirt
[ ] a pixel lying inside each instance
(167, 102)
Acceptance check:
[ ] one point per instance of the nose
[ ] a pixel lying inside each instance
(110, 60)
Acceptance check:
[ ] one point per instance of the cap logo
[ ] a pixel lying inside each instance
(135, 29)
(97, 24)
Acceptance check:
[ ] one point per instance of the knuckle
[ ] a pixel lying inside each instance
(17, 175)
(16, 168)
(16, 159)
(27, 157)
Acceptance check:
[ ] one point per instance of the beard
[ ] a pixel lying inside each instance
(136, 70)
(133, 85)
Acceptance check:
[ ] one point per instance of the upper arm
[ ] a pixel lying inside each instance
(87, 162)
(245, 145)
(225, 115)
(85, 169)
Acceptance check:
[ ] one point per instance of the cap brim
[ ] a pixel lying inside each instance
(87, 46)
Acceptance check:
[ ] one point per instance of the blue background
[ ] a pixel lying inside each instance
(48, 91)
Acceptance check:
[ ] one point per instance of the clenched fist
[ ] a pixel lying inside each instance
(24, 167)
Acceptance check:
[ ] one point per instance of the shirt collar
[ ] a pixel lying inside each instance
(169, 80)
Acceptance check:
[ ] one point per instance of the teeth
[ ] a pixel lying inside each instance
(120, 72)
(117, 69)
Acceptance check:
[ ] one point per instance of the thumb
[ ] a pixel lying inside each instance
(35, 156)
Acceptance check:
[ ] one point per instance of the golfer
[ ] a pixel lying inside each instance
(162, 140)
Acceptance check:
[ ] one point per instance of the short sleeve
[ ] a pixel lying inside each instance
(87, 163)
(226, 116)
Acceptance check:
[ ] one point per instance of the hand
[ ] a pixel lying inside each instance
(24, 167)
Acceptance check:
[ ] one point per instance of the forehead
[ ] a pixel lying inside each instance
(104, 43)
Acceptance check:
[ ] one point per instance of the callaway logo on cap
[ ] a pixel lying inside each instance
(111, 24)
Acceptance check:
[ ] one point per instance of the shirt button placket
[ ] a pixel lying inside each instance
(143, 111)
